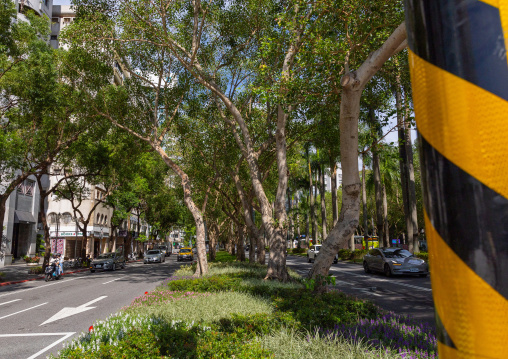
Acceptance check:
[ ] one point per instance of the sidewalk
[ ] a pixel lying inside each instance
(18, 273)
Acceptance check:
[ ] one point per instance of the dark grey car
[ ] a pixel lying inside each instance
(393, 261)
(108, 261)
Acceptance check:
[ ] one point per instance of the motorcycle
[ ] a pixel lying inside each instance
(51, 272)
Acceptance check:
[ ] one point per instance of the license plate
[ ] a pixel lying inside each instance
(98, 266)
(413, 270)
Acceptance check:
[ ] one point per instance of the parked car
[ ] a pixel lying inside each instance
(154, 255)
(394, 261)
(108, 261)
(314, 251)
(165, 249)
(185, 254)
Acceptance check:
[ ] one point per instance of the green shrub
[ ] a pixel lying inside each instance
(423, 255)
(358, 254)
(345, 254)
(223, 257)
(214, 344)
(324, 310)
(297, 250)
(254, 325)
(216, 283)
(35, 270)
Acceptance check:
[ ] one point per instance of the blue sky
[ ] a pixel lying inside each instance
(61, 2)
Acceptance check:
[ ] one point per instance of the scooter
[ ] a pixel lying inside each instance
(51, 272)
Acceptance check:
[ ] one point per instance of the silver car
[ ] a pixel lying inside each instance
(393, 261)
(154, 255)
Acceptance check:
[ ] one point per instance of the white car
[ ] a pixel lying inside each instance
(314, 251)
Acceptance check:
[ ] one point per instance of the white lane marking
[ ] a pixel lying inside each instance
(21, 311)
(68, 311)
(65, 336)
(112, 280)
(386, 280)
(41, 286)
(11, 301)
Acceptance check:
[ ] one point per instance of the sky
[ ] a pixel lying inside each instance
(61, 2)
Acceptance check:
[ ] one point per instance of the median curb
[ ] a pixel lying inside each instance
(65, 273)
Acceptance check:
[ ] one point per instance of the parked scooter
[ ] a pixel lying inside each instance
(51, 272)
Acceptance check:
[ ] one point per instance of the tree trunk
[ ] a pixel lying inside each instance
(194, 210)
(335, 207)
(353, 84)
(379, 192)
(350, 212)
(312, 208)
(213, 234)
(386, 233)
(411, 184)
(403, 165)
(364, 203)
(240, 249)
(322, 191)
(291, 224)
(261, 248)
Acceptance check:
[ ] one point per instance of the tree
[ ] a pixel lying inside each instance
(353, 83)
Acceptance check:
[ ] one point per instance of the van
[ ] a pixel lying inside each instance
(165, 249)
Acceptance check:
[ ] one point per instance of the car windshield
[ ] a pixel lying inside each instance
(185, 251)
(399, 253)
(153, 252)
(161, 247)
(317, 248)
(106, 255)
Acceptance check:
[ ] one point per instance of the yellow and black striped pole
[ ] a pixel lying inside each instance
(459, 74)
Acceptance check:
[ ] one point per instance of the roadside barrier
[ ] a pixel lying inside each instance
(459, 75)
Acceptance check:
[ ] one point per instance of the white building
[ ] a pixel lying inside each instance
(20, 222)
(328, 179)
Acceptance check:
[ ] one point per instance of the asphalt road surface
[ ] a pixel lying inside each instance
(407, 295)
(36, 317)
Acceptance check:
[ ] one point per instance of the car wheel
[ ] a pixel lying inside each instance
(123, 265)
(388, 271)
(366, 267)
(423, 275)
(308, 258)
(114, 267)
(92, 271)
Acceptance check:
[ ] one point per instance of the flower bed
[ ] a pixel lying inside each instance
(34, 259)
(409, 337)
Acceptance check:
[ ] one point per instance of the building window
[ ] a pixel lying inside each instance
(106, 220)
(52, 218)
(66, 21)
(54, 37)
(27, 188)
(98, 218)
(66, 218)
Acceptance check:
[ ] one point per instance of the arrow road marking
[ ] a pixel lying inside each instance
(68, 311)
(24, 310)
(11, 301)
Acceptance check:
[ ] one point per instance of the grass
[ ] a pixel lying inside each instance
(204, 308)
(291, 344)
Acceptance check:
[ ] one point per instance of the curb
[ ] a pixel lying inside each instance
(39, 278)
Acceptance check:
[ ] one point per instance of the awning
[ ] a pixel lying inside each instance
(23, 217)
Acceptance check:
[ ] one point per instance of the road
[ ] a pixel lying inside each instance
(36, 318)
(404, 295)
